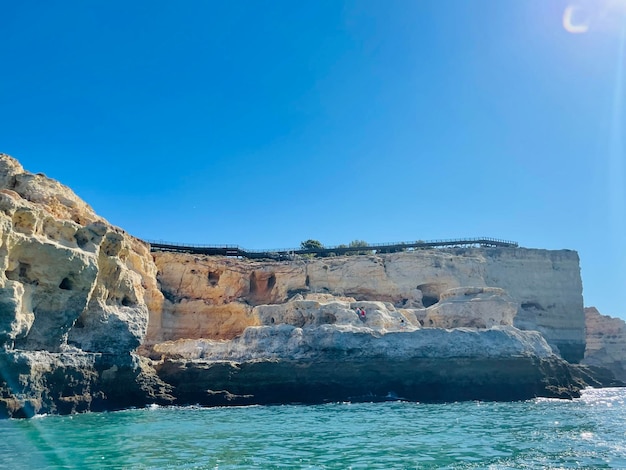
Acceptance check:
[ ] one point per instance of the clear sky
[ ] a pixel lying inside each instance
(266, 123)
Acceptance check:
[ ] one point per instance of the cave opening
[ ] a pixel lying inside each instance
(431, 293)
(66, 284)
(429, 301)
(214, 278)
(531, 305)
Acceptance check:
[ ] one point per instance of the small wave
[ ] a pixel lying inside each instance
(551, 400)
(603, 396)
(587, 436)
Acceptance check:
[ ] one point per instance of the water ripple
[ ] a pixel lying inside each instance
(584, 433)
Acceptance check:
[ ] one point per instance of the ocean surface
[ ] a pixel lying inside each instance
(589, 432)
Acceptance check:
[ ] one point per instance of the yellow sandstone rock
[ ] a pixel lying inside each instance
(534, 290)
(68, 277)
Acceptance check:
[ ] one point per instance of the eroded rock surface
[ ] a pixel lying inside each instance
(545, 286)
(606, 342)
(75, 295)
(81, 301)
(318, 349)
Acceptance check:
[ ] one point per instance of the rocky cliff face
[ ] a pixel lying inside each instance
(606, 342)
(317, 348)
(239, 331)
(68, 277)
(91, 320)
(74, 290)
(545, 287)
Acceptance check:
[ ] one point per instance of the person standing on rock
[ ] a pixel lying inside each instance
(362, 314)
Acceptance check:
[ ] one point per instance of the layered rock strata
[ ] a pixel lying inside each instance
(545, 286)
(312, 350)
(606, 342)
(91, 320)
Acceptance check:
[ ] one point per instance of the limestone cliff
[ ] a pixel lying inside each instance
(213, 296)
(606, 342)
(317, 348)
(91, 320)
(73, 289)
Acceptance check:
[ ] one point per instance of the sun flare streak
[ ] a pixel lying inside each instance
(616, 149)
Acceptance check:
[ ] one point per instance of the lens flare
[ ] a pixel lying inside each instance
(582, 16)
(572, 22)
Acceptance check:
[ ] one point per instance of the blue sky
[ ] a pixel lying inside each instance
(264, 123)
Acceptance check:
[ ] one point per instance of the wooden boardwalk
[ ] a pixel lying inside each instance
(287, 253)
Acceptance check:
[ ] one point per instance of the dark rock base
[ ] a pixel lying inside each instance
(37, 382)
(423, 380)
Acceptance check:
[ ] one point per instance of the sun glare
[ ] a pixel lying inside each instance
(598, 15)
(571, 20)
(618, 4)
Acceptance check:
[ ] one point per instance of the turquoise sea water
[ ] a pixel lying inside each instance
(589, 432)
